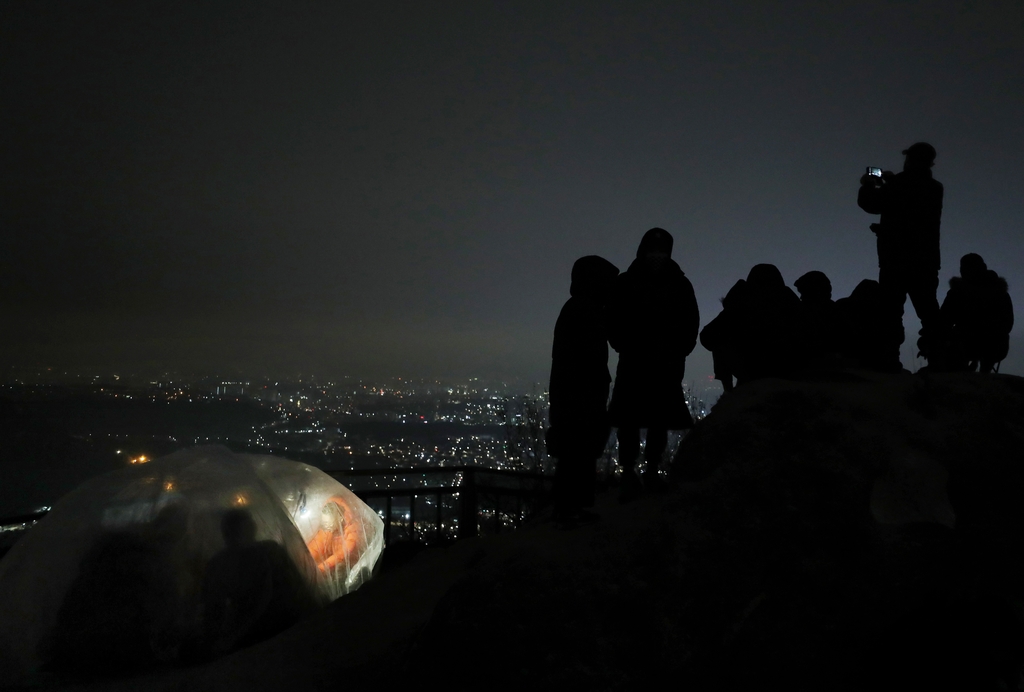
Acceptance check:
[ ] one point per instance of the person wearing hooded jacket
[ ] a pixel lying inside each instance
(758, 331)
(817, 333)
(719, 336)
(578, 391)
(768, 318)
(654, 325)
(864, 334)
(978, 314)
(336, 546)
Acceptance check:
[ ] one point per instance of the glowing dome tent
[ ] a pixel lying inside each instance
(189, 555)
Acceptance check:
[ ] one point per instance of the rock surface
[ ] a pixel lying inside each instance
(857, 535)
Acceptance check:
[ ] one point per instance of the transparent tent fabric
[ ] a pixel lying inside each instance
(132, 565)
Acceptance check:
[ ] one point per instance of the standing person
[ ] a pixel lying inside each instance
(654, 324)
(579, 387)
(908, 246)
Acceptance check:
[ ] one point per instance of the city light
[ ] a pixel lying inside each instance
(349, 425)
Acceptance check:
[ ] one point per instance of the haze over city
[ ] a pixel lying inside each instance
(400, 189)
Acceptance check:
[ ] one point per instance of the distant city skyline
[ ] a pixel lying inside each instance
(59, 432)
(400, 189)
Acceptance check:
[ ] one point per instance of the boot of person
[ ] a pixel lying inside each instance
(631, 487)
(653, 480)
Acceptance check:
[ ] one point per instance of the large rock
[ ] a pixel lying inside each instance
(844, 535)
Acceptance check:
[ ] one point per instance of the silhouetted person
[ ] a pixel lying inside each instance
(908, 245)
(113, 610)
(978, 314)
(720, 336)
(864, 332)
(252, 589)
(335, 546)
(757, 334)
(133, 601)
(766, 324)
(181, 569)
(817, 318)
(654, 324)
(579, 386)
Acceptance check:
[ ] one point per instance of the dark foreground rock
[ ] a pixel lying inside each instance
(857, 535)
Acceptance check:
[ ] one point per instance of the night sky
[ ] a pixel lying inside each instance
(402, 188)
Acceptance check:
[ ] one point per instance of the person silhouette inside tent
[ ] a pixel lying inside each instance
(252, 589)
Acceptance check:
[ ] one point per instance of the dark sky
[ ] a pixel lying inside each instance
(402, 188)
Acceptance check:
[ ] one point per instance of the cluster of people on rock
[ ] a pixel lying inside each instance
(649, 315)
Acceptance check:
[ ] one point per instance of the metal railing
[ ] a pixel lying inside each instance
(479, 500)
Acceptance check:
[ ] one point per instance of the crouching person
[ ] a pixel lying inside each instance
(978, 315)
(579, 387)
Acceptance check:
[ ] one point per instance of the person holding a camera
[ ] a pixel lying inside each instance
(910, 204)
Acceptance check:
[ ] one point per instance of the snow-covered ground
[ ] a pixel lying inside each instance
(862, 533)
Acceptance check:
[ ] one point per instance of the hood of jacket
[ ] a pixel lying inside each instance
(592, 278)
(990, 280)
